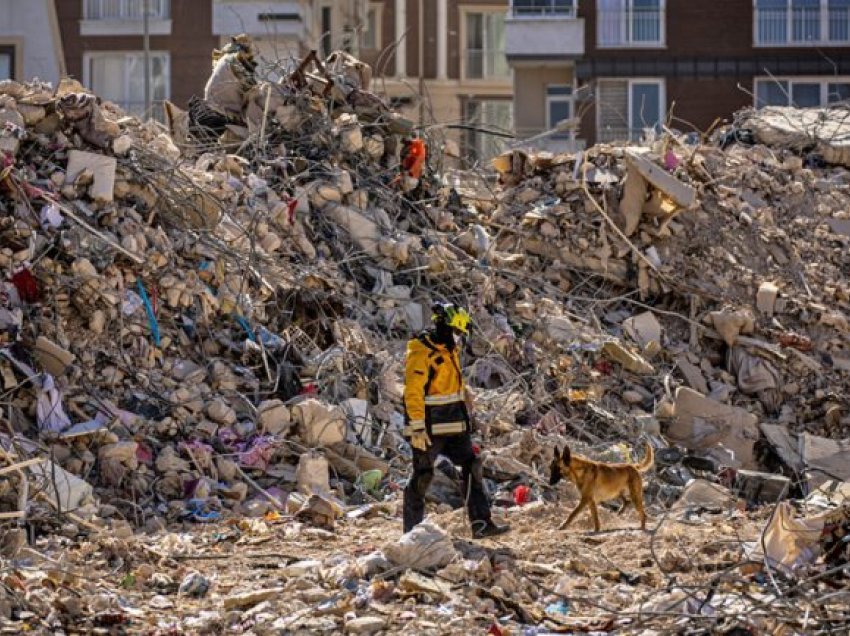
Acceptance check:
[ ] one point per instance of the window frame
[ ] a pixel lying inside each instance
(163, 14)
(465, 11)
(568, 98)
(89, 56)
(630, 81)
(470, 146)
(10, 49)
(823, 82)
(628, 23)
(377, 36)
(824, 23)
(535, 13)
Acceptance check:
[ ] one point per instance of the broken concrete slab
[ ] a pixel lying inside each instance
(761, 488)
(693, 376)
(766, 298)
(682, 194)
(243, 600)
(102, 168)
(634, 196)
(643, 328)
(730, 324)
(700, 493)
(802, 130)
(785, 444)
(631, 361)
(824, 459)
(53, 358)
(704, 424)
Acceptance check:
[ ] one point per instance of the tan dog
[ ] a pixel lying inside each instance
(598, 482)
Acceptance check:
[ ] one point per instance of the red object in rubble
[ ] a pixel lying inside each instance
(414, 160)
(795, 341)
(476, 449)
(603, 366)
(495, 630)
(522, 494)
(290, 210)
(26, 285)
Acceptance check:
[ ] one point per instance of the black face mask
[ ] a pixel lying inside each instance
(444, 335)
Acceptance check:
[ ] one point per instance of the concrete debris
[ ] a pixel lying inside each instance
(821, 131)
(426, 546)
(725, 432)
(643, 329)
(202, 336)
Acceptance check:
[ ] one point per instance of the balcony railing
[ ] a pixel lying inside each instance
(802, 25)
(634, 26)
(126, 9)
(486, 64)
(543, 8)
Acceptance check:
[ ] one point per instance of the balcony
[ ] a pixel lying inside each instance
(278, 20)
(125, 17)
(630, 27)
(802, 26)
(541, 30)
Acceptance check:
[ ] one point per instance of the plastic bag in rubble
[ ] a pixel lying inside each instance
(319, 424)
(754, 374)
(232, 76)
(788, 541)
(50, 415)
(313, 473)
(426, 546)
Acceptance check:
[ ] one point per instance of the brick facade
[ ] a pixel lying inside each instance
(190, 43)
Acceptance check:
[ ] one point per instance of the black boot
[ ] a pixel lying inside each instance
(488, 528)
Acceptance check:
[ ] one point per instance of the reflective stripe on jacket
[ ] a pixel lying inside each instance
(433, 389)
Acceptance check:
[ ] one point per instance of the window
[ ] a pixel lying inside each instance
(495, 114)
(559, 106)
(624, 23)
(801, 22)
(801, 92)
(120, 77)
(627, 107)
(7, 62)
(485, 46)
(538, 8)
(372, 28)
(126, 9)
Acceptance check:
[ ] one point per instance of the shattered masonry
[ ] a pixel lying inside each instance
(203, 327)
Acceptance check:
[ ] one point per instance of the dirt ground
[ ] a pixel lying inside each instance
(308, 580)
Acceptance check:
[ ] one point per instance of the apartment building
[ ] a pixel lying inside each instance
(619, 67)
(456, 47)
(103, 43)
(29, 41)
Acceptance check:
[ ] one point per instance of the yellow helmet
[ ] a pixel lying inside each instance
(452, 315)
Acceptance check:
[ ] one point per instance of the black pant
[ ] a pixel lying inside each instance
(458, 448)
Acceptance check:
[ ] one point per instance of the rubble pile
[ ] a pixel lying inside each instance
(203, 328)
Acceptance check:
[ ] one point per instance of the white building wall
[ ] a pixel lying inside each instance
(30, 26)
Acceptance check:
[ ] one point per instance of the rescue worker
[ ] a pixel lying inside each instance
(437, 419)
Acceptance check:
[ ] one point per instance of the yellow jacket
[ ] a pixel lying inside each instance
(433, 389)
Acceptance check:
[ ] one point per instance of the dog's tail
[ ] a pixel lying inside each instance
(648, 459)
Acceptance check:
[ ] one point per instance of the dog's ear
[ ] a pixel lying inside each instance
(555, 471)
(565, 455)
